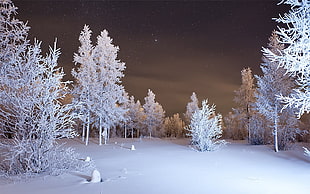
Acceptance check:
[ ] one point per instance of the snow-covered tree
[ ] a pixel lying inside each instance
(109, 94)
(31, 115)
(135, 115)
(272, 84)
(174, 126)
(13, 34)
(154, 115)
(85, 81)
(98, 90)
(295, 57)
(191, 107)
(244, 99)
(205, 128)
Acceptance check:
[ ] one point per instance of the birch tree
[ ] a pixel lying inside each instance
(272, 84)
(295, 57)
(31, 116)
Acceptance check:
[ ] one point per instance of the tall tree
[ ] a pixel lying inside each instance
(154, 114)
(273, 83)
(98, 89)
(109, 94)
(85, 80)
(294, 58)
(206, 128)
(245, 97)
(191, 107)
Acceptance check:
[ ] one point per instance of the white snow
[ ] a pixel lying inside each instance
(95, 177)
(170, 166)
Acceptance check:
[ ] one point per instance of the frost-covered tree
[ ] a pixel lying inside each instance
(85, 81)
(32, 116)
(154, 115)
(295, 57)
(205, 128)
(98, 90)
(135, 115)
(13, 34)
(272, 84)
(244, 98)
(108, 93)
(191, 107)
(174, 126)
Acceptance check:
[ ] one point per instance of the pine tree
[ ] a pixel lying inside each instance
(206, 128)
(294, 58)
(154, 115)
(245, 98)
(273, 83)
(191, 107)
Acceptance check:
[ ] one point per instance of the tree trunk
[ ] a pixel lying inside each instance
(100, 131)
(83, 132)
(87, 132)
(105, 135)
(125, 131)
(275, 130)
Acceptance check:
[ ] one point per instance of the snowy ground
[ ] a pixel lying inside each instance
(170, 166)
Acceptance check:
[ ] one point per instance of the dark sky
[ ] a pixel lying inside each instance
(172, 47)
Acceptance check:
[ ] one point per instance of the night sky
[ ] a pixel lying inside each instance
(172, 47)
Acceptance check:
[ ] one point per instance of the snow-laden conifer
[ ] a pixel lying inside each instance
(273, 83)
(205, 128)
(154, 115)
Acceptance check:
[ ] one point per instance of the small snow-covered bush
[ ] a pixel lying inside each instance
(306, 152)
(206, 128)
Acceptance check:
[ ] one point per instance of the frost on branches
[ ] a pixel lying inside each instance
(205, 128)
(174, 127)
(154, 115)
(191, 107)
(295, 57)
(244, 98)
(135, 117)
(98, 91)
(273, 83)
(31, 116)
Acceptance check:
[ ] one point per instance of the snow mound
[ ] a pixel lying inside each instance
(95, 177)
